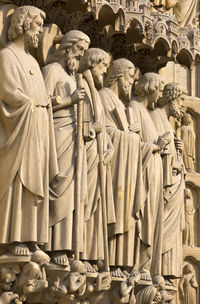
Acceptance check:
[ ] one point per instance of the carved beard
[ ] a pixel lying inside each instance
(72, 63)
(125, 92)
(174, 110)
(31, 39)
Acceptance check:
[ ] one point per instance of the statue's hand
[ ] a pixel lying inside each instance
(98, 127)
(77, 95)
(135, 127)
(178, 144)
(177, 167)
(8, 297)
(108, 155)
(164, 140)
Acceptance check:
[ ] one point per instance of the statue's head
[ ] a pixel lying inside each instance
(151, 86)
(121, 71)
(26, 23)
(97, 61)
(72, 48)
(77, 266)
(173, 97)
(159, 282)
(188, 269)
(186, 119)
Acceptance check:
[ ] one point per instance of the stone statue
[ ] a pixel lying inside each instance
(27, 147)
(189, 140)
(32, 278)
(125, 293)
(188, 285)
(147, 91)
(8, 297)
(73, 287)
(126, 164)
(155, 293)
(99, 210)
(170, 105)
(62, 88)
(184, 10)
(188, 234)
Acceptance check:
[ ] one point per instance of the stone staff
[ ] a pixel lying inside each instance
(88, 76)
(78, 166)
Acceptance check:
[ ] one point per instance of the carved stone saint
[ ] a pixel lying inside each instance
(62, 88)
(173, 182)
(150, 231)
(27, 146)
(188, 286)
(126, 164)
(189, 140)
(188, 235)
(99, 210)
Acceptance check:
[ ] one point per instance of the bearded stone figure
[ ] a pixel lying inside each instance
(99, 210)
(173, 180)
(27, 148)
(128, 186)
(60, 81)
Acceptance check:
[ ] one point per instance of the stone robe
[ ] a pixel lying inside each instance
(93, 227)
(27, 149)
(174, 220)
(127, 179)
(189, 140)
(150, 230)
(62, 188)
(185, 11)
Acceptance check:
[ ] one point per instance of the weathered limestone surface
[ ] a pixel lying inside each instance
(99, 151)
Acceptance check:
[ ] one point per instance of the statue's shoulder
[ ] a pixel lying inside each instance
(52, 67)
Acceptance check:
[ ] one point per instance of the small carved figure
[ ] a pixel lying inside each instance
(188, 234)
(27, 144)
(171, 105)
(8, 276)
(104, 277)
(189, 140)
(155, 293)
(127, 288)
(188, 286)
(61, 86)
(73, 287)
(32, 278)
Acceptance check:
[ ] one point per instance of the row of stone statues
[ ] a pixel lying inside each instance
(88, 171)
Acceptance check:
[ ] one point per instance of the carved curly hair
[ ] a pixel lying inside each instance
(173, 90)
(21, 20)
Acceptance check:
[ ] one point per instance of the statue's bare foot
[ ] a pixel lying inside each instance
(89, 268)
(145, 275)
(60, 258)
(19, 249)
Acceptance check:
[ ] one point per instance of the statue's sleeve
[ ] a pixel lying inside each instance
(11, 86)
